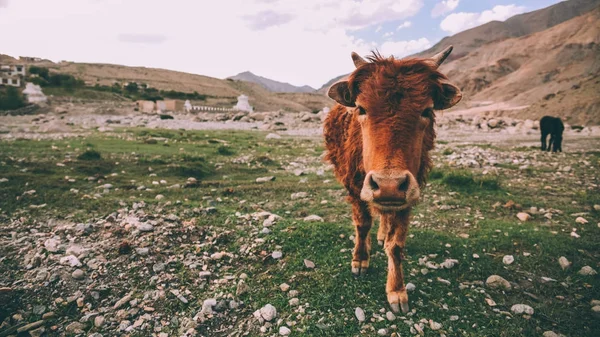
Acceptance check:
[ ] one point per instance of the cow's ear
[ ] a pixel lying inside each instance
(449, 96)
(340, 92)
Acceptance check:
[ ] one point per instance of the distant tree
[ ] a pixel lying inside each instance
(11, 99)
(40, 71)
(131, 87)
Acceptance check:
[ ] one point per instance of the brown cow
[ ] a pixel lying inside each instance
(378, 138)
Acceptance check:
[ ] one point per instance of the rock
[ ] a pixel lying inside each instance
(158, 267)
(299, 195)
(597, 208)
(142, 251)
(587, 271)
(523, 216)
(241, 288)
(492, 123)
(78, 274)
(84, 228)
(508, 259)
(313, 218)
(410, 287)
(277, 255)
(390, 316)
(208, 304)
(309, 264)
(144, 227)
(563, 262)
(360, 314)
(454, 318)
(449, 263)
(265, 230)
(581, 220)
(268, 312)
(294, 302)
(496, 281)
(51, 245)
(99, 321)
(265, 179)
(179, 296)
(284, 287)
(70, 260)
(551, 334)
(159, 197)
(122, 301)
(37, 332)
(30, 326)
(434, 325)
(518, 309)
(273, 136)
(284, 331)
(75, 328)
(382, 332)
(596, 310)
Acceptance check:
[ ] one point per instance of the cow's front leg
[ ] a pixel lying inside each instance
(397, 224)
(382, 231)
(362, 245)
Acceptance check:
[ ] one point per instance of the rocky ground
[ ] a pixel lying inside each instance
(117, 224)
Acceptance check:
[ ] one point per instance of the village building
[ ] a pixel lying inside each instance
(12, 75)
(145, 106)
(169, 105)
(242, 104)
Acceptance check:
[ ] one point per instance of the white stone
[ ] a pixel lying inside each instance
(434, 325)
(522, 309)
(587, 271)
(563, 262)
(51, 245)
(360, 314)
(70, 260)
(268, 312)
(313, 218)
(581, 220)
(273, 136)
(390, 316)
(496, 281)
(284, 331)
(523, 216)
(508, 259)
(277, 255)
(410, 287)
(382, 332)
(449, 263)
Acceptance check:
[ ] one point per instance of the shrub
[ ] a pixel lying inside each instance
(466, 181)
(11, 99)
(90, 155)
(225, 150)
(166, 117)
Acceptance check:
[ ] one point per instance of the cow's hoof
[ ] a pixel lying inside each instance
(398, 300)
(360, 267)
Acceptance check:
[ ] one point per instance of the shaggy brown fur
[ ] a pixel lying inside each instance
(386, 124)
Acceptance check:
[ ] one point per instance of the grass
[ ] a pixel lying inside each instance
(456, 201)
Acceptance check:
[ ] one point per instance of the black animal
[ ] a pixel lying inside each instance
(554, 127)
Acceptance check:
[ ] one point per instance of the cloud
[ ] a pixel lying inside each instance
(404, 48)
(405, 24)
(142, 38)
(266, 19)
(388, 34)
(444, 7)
(3, 3)
(457, 22)
(379, 28)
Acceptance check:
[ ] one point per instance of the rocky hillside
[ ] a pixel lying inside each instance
(220, 92)
(271, 85)
(544, 61)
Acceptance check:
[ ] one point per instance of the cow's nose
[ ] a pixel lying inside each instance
(390, 187)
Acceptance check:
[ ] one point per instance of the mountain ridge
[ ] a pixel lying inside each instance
(271, 85)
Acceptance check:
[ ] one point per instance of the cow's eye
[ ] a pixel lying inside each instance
(427, 113)
(361, 111)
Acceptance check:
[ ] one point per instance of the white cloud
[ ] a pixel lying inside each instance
(405, 24)
(379, 28)
(457, 22)
(307, 42)
(404, 48)
(444, 7)
(388, 34)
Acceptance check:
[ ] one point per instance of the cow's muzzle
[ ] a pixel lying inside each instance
(390, 190)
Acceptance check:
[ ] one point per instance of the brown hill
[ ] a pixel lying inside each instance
(221, 92)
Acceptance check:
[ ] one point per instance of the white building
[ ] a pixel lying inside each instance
(242, 104)
(11, 75)
(34, 93)
(187, 106)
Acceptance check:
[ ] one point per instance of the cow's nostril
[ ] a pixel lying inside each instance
(373, 184)
(404, 186)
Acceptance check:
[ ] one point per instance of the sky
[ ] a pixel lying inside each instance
(295, 41)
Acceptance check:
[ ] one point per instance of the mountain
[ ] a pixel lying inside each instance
(269, 84)
(222, 93)
(545, 61)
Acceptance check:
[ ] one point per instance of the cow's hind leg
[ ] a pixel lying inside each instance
(544, 137)
(397, 225)
(362, 245)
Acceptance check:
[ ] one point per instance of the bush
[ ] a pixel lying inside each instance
(466, 181)
(90, 155)
(166, 117)
(40, 71)
(225, 150)
(11, 99)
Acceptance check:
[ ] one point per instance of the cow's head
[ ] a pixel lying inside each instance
(394, 102)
